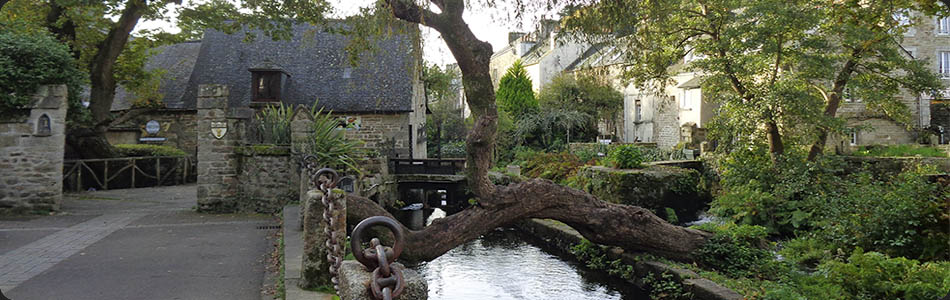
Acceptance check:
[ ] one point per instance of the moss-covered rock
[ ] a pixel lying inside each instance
(654, 187)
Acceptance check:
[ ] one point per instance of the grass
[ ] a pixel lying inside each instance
(281, 292)
(905, 150)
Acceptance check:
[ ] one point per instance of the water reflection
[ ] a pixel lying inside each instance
(501, 265)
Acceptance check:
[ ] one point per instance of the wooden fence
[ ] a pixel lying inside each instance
(128, 172)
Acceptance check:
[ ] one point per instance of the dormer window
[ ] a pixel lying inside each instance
(265, 86)
(267, 82)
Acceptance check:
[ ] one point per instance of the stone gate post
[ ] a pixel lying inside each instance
(218, 135)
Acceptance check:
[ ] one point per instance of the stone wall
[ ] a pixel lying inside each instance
(269, 178)
(177, 127)
(31, 158)
(387, 134)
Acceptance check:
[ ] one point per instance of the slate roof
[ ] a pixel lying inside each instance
(178, 61)
(315, 62)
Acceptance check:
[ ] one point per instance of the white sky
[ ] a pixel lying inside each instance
(488, 24)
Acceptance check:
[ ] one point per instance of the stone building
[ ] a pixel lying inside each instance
(679, 113)
(545, 53)
(380, 98)
(676, 113)
(929, 41)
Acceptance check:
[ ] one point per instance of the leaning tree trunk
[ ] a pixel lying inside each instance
(630, 227)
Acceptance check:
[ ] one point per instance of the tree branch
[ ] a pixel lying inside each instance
(127, 115)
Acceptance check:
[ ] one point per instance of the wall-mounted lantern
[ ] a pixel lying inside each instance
(44, 126)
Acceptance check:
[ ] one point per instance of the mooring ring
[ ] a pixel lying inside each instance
(356, 239)
(332, 177)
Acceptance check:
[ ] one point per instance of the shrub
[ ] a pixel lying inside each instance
(739, 251)
(454, 149)
(136, 150)
(784, 197)
(557, 167)
(274, 124)
(28, 61)
(902, 217)
(329, 144)
(625, 157)
(874, 275)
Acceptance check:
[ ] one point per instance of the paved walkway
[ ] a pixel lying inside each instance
(133, 244)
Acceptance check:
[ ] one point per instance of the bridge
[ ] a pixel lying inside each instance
(433, 182)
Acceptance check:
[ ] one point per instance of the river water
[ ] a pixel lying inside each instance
(502, 265)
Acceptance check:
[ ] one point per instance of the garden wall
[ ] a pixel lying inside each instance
(31, 154)
(889, 166)
(269, 178)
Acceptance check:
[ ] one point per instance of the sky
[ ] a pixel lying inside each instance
(490, 24)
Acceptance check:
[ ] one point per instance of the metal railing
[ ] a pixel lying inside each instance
(128, 172)
(443, 166)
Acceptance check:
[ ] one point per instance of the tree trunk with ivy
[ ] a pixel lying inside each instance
(631, 227)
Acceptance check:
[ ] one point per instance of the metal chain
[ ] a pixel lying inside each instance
(327, 179)
(387, 281)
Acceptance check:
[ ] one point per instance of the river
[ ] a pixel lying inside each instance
(502, 265)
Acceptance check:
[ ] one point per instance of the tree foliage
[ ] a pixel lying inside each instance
(586, 93)
(28, 61)
(777, 68)
(515, 95)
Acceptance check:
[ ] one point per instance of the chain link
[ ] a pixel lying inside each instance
(387, 281)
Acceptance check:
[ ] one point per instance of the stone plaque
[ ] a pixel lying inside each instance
(219, 129)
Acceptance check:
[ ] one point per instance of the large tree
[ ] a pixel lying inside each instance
(778, 68)
(630, 227)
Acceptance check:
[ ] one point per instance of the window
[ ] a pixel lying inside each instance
(638, 112)
(943, 57)
(347, 72)
(848, 96)
(943, 26)
(265, 86)
(43, 126)
(854, 137)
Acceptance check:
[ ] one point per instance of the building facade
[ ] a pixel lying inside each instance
(380, 99)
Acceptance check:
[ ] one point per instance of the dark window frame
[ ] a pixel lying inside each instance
(273, 82)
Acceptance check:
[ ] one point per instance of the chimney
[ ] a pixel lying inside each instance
(514, 36)
(548, 26)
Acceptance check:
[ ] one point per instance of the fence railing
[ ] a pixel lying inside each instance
(444, 166)
(128, 172)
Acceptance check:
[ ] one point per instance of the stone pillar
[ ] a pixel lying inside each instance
(315, 271)
(31, 154)
(354, 283)
(218, 184)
